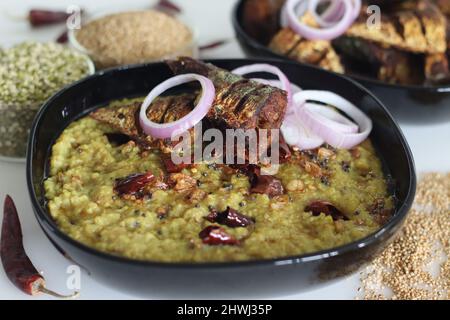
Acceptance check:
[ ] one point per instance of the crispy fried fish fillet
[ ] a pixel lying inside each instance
(239, 102)
(320, 53)
(387, 64)
(444, 6)
(414, 26)
(125, 118)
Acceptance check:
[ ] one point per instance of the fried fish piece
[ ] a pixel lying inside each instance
(414, 26)
(444, 6)
(387, 64)
(239, 102)
(125, 118)
(318, 52)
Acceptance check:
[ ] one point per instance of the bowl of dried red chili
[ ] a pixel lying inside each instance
(255, 278)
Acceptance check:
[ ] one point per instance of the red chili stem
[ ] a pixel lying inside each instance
(39, 17)
(18, 267)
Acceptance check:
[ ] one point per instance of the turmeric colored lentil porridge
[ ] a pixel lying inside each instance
(325, 197)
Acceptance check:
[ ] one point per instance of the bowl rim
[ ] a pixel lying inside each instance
(238, 28)
(44, 217)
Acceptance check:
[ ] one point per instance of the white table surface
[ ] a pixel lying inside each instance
(430, 144)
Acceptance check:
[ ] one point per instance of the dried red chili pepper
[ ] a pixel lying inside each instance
(320, 206)
(213, 45)
(267, 185)
(230, 217)
(133, 185)
(18, 267)
(39, 18)
(172, 167)
(168, 7)
(63, 37)
(215, 235)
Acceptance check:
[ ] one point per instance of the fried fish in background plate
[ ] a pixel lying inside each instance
(319, 52)
(414, 26)
(384, 63)
(444, 6)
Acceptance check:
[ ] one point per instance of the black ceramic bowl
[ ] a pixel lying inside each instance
(408, 103)
(243, 279)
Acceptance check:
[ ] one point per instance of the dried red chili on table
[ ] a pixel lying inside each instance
(18, 267)
(38, 17)
(63, 37)
(213, 45)
(215, 235)
(230, 217)
(168, 7)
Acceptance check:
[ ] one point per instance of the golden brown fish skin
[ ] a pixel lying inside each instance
(444, 6)
(124, 118)
(284, 41)
(414, 26)
(387, 64)
(318, 52)
(239, 103)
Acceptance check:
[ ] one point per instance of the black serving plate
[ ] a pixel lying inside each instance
(263, 278)
(408, 103)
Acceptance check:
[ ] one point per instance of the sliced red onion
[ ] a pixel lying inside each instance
(167, 130)
(278, 84)
(333, 12)
(262, 67)
(331, 131)
(327, 33)
(330, 117)
(295, 134)
(300, 11)
(330, 16)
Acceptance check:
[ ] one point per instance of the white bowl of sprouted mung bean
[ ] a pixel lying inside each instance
(30, 73)
(133, 37)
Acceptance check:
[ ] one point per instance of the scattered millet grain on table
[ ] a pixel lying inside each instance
(416, 264)
(134, 37)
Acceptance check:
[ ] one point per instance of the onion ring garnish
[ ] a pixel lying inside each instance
(262, 67)
(330, 30)
(327, 115)
(331, 131)
(332, 13)
(167, 130)
(297, 135)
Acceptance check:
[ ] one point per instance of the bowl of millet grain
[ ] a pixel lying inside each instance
(133, 37)
(30, 73)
